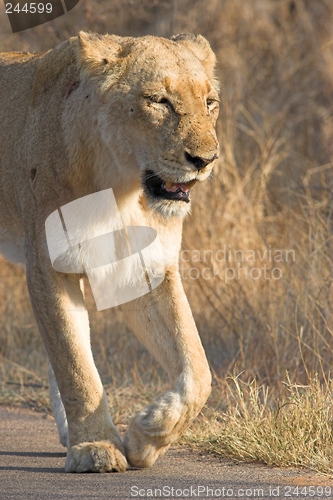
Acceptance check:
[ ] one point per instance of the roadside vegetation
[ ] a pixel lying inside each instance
(257, 249)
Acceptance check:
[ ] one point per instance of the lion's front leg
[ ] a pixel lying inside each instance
(163, 322)
(93, 441)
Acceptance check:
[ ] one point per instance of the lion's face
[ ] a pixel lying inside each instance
(159, 103)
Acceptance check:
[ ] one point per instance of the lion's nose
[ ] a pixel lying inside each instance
(198, 161)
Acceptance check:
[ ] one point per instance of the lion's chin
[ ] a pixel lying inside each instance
(168, 208)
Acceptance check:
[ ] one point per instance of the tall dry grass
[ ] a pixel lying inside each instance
(295, 431)
(272, 192)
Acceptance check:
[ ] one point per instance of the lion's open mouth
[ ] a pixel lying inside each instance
(157, 187)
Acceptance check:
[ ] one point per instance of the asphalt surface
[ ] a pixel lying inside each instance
(32, 467)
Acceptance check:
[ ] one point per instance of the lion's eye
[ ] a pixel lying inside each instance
(159, 100)
(165, 101)
(212, 104)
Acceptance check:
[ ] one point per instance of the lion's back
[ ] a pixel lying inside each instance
(30, 102)
(17, 70)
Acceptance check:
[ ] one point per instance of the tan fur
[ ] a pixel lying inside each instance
(84, 117)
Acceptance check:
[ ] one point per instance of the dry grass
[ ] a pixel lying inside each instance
(297, 431)
(272, 191)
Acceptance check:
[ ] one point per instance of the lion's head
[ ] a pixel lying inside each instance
(158, 106)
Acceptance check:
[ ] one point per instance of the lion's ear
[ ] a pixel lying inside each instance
(200, 47)
(99, 55)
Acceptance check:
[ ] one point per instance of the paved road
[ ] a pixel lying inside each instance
(32, 461)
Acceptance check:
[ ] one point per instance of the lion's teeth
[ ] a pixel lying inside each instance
(175, 186)
(171, 186)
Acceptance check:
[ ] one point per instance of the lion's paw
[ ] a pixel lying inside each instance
(99, 456)
(141, 450)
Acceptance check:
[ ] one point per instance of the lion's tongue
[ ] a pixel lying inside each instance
(172, 187)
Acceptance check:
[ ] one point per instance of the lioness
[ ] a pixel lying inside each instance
(136, 115)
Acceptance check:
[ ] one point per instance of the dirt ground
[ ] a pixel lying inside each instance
(32, 467)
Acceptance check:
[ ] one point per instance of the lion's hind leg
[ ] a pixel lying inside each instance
(58, 409)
